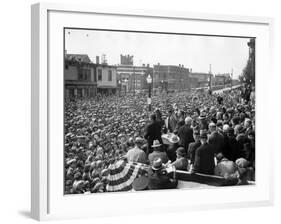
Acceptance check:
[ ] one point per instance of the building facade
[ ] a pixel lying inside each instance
(201, 79)
(79, 77)
(133, 78)
(222, 79)
(106, 78)
(171, 77)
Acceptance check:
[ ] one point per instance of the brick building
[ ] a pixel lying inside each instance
(171, 77)
(200, 79)
(130, 77)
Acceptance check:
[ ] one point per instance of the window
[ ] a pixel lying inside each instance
(95, 77)
(71, 93)
(86, 92)
(79, 92)
(84, 74)
(109, 75)
(99, 75)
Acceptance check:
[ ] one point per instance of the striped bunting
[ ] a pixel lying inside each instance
(122, 174)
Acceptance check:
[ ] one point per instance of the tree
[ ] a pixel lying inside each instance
(248, 75)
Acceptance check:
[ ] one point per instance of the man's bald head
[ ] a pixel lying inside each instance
(188, 121)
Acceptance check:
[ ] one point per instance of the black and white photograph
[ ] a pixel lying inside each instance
(155, 111)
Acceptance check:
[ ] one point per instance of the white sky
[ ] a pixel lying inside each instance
(196, 52)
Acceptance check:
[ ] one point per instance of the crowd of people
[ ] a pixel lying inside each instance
(208, 133)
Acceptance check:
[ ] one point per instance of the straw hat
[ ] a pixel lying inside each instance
(156, 143)
(174, 139)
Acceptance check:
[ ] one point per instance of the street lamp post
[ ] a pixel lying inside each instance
(126, 81)
(149, 82)
(120, 87)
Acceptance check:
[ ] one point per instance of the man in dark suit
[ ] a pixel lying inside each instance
(185, 134)
(193, 146)
(233, 147)
(153, 132)
(158, 177)
(171, 121)
(204, 157)
(216, 139)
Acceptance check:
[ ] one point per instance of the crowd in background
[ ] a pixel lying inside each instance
(208, 133)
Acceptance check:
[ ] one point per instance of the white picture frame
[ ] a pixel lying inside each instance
(47, 202)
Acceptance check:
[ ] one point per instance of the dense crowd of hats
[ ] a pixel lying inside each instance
(99, 132)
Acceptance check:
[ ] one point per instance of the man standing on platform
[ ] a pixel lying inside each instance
(185, 134)
(171, 121)
(204, 157)
(153, 132)
(216, 140)
(193, 146)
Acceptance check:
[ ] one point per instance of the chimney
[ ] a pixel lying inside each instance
(97, 60)
(147, 65)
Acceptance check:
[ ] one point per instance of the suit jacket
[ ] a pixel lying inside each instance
(185, 134)
(160, 181)
(153, 132)
(204, 160)
(235, 151)
(216, 140)
(242, 139)
(171, 123)
(181, 164)
(180, 123)
(193, 146)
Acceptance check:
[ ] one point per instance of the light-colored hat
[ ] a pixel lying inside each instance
(139, 140)
(225, 127)
(156, 143)
(174, 139)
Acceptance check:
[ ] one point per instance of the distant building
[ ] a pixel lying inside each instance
(79, 76)
(132, 78)
(201, 79)
(126, 59)
(83, 78)
(222, 79)
(171, 77)
(106, 78)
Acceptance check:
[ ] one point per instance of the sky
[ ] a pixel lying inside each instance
(192, 51)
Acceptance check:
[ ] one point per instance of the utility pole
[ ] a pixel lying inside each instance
(210, 77)
(134, 80)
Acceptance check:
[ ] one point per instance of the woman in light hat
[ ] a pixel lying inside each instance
(181, 162)
(157, 153)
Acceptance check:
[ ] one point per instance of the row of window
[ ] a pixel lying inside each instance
(100, 75)
(85, 74)
(79, 92)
